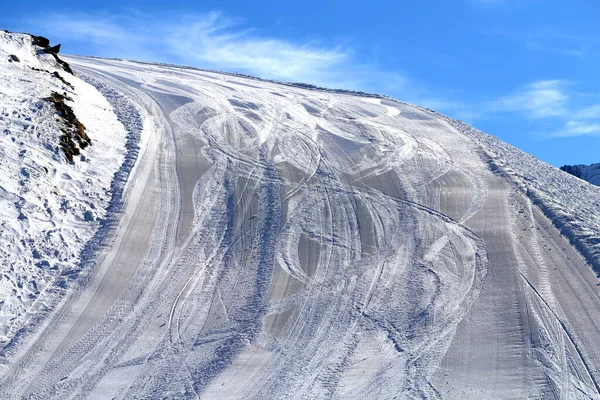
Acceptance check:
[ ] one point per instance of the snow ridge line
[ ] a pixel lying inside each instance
(130, 117)
(301, 85)
(569, 225)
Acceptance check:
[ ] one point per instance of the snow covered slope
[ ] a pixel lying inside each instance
(49, 209)
(283, 242)
(590, 173)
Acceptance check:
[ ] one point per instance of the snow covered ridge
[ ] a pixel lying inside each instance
(590, 173)
(301, 85)
(49, 208)
(570, 203)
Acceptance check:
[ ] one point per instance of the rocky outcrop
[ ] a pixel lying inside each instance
(40, 41)
(44, 43)
(56, 75)
(53, 49)
(74, 137)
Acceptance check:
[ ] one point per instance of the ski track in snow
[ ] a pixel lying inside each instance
(278, 242)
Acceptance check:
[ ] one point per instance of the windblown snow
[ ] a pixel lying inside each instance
(285, 241)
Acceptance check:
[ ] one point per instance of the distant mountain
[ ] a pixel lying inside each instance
(590, 173)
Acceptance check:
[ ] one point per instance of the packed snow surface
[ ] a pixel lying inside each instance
(281, 242)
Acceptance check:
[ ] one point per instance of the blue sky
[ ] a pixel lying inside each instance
(524, 71)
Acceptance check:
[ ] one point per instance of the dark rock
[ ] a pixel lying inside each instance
(88, 216)
(42, 264)
(74, 137)
(40, 41)
(53, 49)
(65, 65)
(60, 78)
(14, 58)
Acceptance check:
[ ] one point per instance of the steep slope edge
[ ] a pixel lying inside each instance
(571, 204)
(53, 193)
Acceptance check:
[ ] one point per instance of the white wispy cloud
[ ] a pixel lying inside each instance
(215, 41)
(103, 34)
(587, 113)
(541, 99)
(554, 101)
(209, 40)
(579, 128)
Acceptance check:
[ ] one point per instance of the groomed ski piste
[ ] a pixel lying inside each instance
(272, 241)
